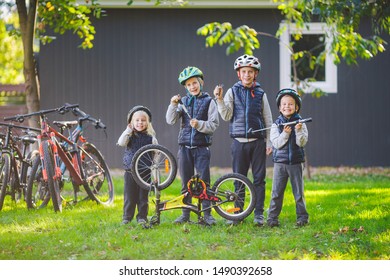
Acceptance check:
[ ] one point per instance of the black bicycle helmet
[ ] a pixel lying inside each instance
(138, 108)
(292, 93)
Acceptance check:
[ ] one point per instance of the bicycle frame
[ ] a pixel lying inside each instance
(70, 158)
(180, 203)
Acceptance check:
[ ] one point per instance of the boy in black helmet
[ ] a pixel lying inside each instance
(288, 156)
(199, 119)
(138, 133)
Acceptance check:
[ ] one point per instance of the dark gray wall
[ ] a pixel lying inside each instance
(138, 55)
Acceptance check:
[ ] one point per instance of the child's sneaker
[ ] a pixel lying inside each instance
(302, 223)
(273, 223)
(209, 220)
(259, 220)
(182, 219)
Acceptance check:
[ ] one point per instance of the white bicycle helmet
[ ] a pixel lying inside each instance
(247, 60)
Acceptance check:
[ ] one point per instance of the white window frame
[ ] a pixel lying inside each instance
(330, 83)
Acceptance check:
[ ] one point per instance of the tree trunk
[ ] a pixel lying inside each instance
(27, 27)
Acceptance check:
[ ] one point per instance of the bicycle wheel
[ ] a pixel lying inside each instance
(97, 174)
(37, 193)
(237, 196)
(54, 184)
(153, 163)
(4, 176)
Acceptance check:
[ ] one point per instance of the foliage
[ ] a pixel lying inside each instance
(223, 33)
(64, 15)
(349, 221)
(343, 18)
(11, 52)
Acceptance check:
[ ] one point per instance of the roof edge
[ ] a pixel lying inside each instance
(194, 4)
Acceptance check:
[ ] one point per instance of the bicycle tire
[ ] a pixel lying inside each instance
(37, 193)
(237, 195)
(53, 184)
(153, 163)
(4, 176)
(99, 185)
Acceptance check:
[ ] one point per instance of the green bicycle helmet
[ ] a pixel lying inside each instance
(292, 93)
(247, 61)
(189, 72)
(138, 108)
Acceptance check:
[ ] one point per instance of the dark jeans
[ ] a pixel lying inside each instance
(252, 154)
(191, 160)
(134, 196)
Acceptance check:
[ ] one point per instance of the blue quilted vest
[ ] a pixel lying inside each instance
(290, 153)
(136, 141)
(247, 112)
(198, 108)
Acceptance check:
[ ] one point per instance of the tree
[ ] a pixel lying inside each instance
(59, 16)
(343, 18)
(11, 53)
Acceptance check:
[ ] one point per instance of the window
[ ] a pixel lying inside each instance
(314, 38)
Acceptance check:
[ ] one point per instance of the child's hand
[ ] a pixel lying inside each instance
(175, 99)
(130, 125)
(194, 123)
(287, 129)
(218, 92)
(298, 126)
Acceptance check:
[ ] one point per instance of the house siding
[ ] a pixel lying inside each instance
(139, 53)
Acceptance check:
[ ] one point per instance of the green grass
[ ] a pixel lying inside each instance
(349, 219)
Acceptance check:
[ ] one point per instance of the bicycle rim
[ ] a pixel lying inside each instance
(237, 196)
(53, 183)
(154, 164)
(37, 193)
(4, 177)
(97, 174)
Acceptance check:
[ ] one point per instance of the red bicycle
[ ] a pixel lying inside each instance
(58, 154)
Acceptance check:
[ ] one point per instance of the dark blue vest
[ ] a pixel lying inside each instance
(247, 111)
(290, 153)
(136, 141)
(198, 108)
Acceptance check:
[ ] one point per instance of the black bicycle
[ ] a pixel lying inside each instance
(16, 160)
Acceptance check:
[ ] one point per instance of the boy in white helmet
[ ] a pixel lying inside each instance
(246, 106)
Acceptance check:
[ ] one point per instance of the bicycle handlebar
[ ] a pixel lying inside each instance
(83, 116)
(61, 110)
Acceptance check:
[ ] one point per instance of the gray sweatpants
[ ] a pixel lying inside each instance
(282, 172)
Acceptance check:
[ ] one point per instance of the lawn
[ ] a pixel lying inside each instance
(349, 220)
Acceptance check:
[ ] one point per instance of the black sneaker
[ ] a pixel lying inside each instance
(182, 219)
(273, 223)
(301, 223)
(259, 220)
(125, 222)
(209, 220)
(232, 223)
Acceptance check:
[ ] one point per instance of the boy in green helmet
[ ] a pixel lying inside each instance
(199, 119)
